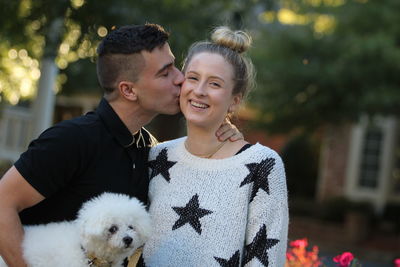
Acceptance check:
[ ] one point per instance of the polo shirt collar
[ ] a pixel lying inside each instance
(114, 124)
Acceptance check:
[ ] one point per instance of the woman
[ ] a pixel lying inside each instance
(216, 204)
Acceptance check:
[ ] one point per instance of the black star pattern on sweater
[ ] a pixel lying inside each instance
(161, 165)
(232, 262)
(258, 248)
(191, 214)
(259, 175)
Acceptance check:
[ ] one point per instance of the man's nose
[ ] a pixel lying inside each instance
(179, 78)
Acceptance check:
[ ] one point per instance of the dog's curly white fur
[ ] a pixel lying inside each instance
(108, 229)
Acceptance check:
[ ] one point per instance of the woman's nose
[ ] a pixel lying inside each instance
(199, 89)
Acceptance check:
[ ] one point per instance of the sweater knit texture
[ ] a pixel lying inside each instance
(216, 212)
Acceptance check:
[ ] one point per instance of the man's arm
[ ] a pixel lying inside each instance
(16, 194)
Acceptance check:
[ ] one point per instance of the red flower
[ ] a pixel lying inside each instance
(299, 256)
(289, 256)
(397, 262)
(300, 243)
(344, 259)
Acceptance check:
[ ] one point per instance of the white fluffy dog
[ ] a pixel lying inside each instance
(108, 229)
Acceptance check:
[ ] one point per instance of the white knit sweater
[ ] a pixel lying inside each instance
(216, 212)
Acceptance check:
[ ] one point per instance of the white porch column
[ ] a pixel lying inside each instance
(43, 106)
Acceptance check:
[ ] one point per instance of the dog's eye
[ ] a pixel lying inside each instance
(113, 229)
(130, 227)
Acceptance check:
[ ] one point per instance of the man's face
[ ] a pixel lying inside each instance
(159, 83)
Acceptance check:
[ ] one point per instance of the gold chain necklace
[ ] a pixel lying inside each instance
(207, 156)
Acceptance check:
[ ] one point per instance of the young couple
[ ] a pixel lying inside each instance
(213, 203)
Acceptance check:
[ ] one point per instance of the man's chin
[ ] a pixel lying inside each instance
(173, 111)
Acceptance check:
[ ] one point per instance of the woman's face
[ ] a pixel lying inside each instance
(206, 94)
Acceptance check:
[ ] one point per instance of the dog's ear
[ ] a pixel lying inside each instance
(90, 227)
(88, 218)
(142, 220)
(144, 229)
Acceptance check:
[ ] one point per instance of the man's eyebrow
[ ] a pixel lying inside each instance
(166, 66)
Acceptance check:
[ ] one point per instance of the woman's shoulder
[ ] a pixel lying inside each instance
(263, 155)
(260, 150)
(269, 165)
(167, 145)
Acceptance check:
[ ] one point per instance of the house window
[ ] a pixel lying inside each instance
(369, 167)
(396, 168)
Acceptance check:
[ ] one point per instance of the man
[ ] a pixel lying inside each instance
(105, 150)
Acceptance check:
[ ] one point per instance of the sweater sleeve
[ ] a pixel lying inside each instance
(267, 227)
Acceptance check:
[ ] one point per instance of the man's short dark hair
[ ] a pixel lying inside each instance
(114, 49)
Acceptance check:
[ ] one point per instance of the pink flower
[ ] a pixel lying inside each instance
(344, 259)
(396, 262)
(289, 256)
(300, 243)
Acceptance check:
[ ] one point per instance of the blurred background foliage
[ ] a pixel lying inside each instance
(25, 27)
(318, 61)
(329, 63)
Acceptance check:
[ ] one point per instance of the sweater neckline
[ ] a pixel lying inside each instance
(224, 163)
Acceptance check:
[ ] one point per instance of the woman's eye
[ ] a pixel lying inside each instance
(165, 74)
(215, 84)
(192, 78)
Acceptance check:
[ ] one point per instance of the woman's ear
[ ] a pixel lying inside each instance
(127, 90)
(237, 99)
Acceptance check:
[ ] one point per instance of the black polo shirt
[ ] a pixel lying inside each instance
(78, 159)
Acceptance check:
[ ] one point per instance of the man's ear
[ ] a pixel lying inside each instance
(127, 90)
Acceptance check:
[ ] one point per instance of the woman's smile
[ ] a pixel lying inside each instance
(197, 104)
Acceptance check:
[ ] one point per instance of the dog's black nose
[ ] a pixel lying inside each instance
(127, 240)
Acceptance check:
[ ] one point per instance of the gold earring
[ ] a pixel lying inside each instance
(229, 115)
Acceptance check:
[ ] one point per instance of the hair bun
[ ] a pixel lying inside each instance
(238, 41)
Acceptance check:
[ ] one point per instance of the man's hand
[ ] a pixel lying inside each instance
(228, 131)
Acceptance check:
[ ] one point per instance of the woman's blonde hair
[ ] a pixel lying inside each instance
(230, 45)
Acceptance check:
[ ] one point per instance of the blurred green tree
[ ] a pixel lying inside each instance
(33, 30)
(25, 28)
(68, 31)
(327, 61)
